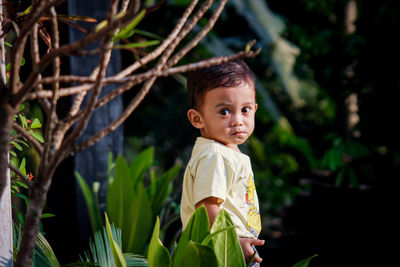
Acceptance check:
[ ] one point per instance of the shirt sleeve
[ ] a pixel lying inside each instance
(211, 178)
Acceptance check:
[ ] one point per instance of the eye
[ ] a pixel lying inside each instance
(224, 112)
(246, 110)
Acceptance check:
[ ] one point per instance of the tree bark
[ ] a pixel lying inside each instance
(6, 120)
(92, 162)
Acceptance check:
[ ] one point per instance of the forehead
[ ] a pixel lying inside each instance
(243, 93)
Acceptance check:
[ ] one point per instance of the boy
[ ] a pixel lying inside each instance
(222, 106)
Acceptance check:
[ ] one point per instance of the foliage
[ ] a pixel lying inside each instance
(136, 194)
(20, 149)
(198, 246)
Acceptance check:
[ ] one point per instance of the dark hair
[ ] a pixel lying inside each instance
(230, 74)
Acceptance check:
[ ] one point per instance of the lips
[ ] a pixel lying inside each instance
(238, 133)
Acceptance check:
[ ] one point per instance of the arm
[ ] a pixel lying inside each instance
(248, 251)
(212, 206)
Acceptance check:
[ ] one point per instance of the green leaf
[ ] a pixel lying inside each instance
(158, 255)
(138, 222)
(226, 244)
(16, 145)
(93, 208)
(119, 192)
(197, 229)
(38, 136)
(141, 163)
(135, 45)
(305, 262)
(22, 166)
(197, 255)
(36, 124)
(23, 120)
(163, 188)
(44, 255)
(8, 44)
(117, 253)
(127, 31)
(13, 153)
(47, 215)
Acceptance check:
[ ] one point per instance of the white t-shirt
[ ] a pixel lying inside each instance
(215, 170)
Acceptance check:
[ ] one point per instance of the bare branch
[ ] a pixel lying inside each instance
(200, 35)
(107, 43)
(143, 92)
(52, 119)
(114, 125)
(32, 140)
(38, 9)
(164, 45)
(67, 50)
(35, 55)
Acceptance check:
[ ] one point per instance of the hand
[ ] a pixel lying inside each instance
(248, 251)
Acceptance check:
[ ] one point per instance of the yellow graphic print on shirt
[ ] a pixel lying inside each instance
(253, 216)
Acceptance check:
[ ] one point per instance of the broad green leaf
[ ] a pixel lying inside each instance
(38, 136)
(197, 255)
(119, 192)
(197, 229)
(138, 222)
(141, 163)
(36, 124)
(305, 262)
(226, 244)
(163, 188)
(158, 255)
(116, 250)
(93, 208)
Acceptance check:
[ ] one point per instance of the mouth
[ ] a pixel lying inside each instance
(238, 133)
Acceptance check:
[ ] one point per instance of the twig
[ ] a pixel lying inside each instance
(210, 24)
(52, 119)
(66, 50)
(35, 55)
(142, 93)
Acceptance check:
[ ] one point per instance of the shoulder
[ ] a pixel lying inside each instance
(209, 150)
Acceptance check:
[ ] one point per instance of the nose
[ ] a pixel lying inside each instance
(236, 119)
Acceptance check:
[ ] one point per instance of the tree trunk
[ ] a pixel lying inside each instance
(6, 242)
(92, 162)
(6, 119)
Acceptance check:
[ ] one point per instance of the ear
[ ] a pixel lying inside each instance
(195, 118)
(255, 107)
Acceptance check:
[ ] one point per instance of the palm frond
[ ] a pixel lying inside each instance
(44, 255)
(100, 253)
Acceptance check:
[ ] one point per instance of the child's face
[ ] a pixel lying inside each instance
(227, 114)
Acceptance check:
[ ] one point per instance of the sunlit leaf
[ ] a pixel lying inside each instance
(127, 31)
(38, 136)
(158, 255)
(36, 124)
(116, 250)
(135, 45)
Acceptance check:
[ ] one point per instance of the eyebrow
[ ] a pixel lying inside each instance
(224, 104)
